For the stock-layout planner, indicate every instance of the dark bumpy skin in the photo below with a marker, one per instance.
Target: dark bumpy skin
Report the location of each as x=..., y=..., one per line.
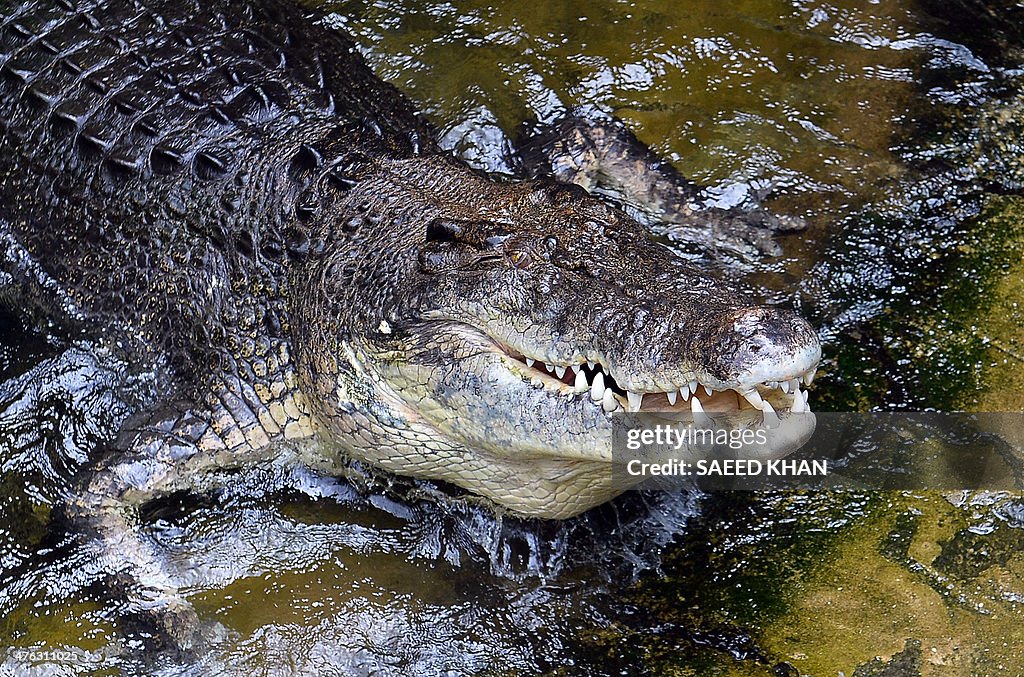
x=598, y=152
x=227, y=190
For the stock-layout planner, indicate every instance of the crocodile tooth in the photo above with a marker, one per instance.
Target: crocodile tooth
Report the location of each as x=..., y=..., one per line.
x=695, y=405
x=636, y=400
x=597, y=387
x=559, y=371
x=772, y=384
x=530, y=361
x=685, y=392
x=771, y=419
x=575, y=368
x=799, y=405
x=794, y=384
x=608, y=402
x=708, y=390
x=693, y=386
x=672, y=397
x=549, y=366
x=590, y=364
x=754, y=398
x=784, y=385
x=537, y=383
x=809, y=376
x=581, y=383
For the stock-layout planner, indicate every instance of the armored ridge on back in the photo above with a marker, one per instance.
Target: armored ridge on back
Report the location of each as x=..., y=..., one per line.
x=227, y=189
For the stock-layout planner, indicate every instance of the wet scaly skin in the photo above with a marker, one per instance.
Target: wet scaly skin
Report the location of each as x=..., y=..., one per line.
x=228, y=190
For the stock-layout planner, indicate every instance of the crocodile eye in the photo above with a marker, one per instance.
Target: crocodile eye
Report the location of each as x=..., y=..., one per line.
x=520, y=259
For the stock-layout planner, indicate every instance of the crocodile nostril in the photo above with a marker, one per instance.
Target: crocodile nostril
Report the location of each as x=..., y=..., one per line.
x=755, y=348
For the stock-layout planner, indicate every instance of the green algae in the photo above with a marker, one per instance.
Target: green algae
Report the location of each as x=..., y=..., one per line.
x=955, y=340
x=899, y=586
x=999, y=314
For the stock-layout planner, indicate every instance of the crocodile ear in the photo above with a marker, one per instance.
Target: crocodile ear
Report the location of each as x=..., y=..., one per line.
x=482, y=235
x=445, y=230
x=455, y=243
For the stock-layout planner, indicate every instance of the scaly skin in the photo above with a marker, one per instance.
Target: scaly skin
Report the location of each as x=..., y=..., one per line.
x=227, y=189
x=599, y=153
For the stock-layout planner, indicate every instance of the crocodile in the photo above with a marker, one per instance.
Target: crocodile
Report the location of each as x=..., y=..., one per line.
x=229, y=190
x=225, y=193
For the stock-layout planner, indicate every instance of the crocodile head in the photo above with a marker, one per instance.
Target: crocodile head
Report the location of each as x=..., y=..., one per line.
x=518, y=329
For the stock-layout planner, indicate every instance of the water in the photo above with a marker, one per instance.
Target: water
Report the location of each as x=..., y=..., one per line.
x=883, y=129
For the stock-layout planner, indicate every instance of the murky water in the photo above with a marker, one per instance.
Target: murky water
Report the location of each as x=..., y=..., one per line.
x=879, y=123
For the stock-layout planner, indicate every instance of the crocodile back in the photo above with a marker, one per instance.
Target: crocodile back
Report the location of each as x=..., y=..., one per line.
x=166, y=161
